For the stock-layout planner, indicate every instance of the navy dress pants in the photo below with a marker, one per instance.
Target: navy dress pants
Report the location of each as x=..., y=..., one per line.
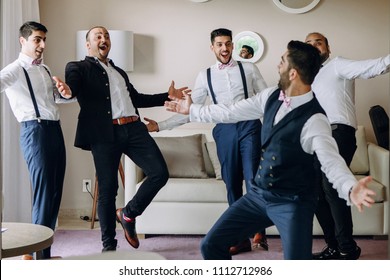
x=133, y=140
x=259, y=209
x=333, y=214
x=43, y=148
x=238, y=149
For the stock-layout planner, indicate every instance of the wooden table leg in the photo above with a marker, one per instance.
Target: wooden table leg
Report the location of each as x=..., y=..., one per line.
x=94, y=206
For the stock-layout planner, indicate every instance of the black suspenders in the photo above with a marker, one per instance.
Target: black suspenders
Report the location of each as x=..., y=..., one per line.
x=242, y=77
x=34, y=101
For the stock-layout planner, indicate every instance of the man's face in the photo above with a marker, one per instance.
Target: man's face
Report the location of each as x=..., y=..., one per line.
x=318, y=41
x=98, y=43
x=245, y=54
x=284, y=72
x=222, y=47
x=34, y=45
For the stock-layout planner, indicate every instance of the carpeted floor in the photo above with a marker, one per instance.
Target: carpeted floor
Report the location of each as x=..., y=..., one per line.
x=68, y=243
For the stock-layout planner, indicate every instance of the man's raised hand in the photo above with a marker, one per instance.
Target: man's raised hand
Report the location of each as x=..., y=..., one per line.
x=180, y=105
x=177, y=92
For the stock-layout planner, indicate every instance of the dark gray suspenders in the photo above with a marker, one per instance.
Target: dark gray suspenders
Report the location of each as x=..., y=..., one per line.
x=242, y=77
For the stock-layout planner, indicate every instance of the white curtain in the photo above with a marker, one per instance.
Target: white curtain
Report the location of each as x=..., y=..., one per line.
x=16, y=190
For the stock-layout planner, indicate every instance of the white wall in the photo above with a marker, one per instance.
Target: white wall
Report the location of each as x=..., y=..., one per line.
x=172, y=42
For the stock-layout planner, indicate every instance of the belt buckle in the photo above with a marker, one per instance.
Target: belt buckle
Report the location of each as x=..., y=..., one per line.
x=119, y=121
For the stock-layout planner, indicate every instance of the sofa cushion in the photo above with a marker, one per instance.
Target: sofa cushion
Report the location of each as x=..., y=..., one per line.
x=378, y=188
x=183, y=156
x=212, y=152
x=207, y=160
x=192, y=190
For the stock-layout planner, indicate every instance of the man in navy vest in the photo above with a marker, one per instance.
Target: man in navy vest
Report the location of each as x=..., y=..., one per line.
x=238, y=148
x=295, y=133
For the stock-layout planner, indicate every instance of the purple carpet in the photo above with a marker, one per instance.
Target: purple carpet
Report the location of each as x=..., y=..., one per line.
x=68, y=243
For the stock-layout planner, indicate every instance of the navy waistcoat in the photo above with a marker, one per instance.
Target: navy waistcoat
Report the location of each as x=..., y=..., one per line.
x=285, y=168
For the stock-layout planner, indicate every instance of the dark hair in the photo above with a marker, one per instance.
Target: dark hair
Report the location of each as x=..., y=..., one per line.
x=319, y=34
x=305, y=59
x=87, y=35
x=28, y=27
x=220, y=32
x=249, y=49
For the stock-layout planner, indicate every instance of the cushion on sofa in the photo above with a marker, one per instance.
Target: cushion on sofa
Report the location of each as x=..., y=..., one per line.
x=378, y=188
x=207, y=161
x=187, y=190
x=183, y=155
x=212, y=152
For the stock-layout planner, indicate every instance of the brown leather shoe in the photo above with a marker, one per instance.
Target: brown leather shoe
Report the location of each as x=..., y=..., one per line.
x=27, y=257
x=260, y=240
x=128, y=228
x=244, y=246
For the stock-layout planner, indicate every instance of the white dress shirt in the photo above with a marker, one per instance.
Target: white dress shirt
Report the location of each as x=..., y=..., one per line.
x=334, y=85
x=121, y=104
x=227, y=86
x=14, y=83
x=316, y=136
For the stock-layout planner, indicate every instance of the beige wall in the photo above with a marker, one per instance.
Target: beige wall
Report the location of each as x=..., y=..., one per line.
x=172, y=42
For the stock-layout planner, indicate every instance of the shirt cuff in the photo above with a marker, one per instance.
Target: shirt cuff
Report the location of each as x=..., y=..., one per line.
x=345, y=191
x=194, y=112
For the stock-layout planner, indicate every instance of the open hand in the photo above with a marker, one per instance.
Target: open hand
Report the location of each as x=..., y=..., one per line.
x=177, y=93
x=152, y=125
x=180, y=105
x=63, y=88
x=361, y=195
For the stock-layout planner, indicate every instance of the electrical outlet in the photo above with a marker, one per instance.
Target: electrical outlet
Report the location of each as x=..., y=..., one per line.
x=87, y=185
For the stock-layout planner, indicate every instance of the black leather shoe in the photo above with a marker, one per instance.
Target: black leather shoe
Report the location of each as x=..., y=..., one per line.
x=327, y=253
x=354, y=255
x=128, y=228
x=109, y=248
x=242, y=247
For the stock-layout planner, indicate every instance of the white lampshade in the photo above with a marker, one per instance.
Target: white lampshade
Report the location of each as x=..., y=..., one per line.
x=121, y=51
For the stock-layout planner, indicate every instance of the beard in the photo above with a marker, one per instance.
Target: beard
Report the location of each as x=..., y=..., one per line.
x=324, y=57
x=284, y=81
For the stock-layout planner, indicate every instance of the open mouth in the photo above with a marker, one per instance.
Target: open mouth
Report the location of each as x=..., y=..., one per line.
x=225, y=57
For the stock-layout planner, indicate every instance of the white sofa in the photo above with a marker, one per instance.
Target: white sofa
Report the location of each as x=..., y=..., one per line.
x=192, y=204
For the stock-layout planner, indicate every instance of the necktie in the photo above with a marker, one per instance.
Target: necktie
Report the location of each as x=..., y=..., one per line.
x=37, y=61
x=286, y=100
x=222, y=66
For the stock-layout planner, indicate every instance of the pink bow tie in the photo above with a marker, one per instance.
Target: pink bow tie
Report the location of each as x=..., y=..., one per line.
x=225, y=65
x=37, y=61
x=286, y=100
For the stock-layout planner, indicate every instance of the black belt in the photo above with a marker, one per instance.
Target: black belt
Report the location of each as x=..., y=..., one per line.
x=42, y=122
x=343, y=127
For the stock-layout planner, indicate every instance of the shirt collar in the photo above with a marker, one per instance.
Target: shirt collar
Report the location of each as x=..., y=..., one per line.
x=26, y=59
x=234, y=63
x=326, y=61
x=299, y=100
x=108, y=60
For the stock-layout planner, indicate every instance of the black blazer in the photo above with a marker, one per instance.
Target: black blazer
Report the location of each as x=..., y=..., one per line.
x=89, y=83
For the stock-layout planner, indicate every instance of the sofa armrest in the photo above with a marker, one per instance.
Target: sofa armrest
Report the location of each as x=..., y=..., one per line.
x=379, y=164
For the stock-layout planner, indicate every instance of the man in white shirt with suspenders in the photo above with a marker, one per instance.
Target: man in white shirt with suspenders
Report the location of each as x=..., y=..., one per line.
x=32, y=93
x=226, y=82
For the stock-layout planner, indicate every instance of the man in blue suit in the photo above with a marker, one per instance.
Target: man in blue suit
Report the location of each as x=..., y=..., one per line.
x=295, y=134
